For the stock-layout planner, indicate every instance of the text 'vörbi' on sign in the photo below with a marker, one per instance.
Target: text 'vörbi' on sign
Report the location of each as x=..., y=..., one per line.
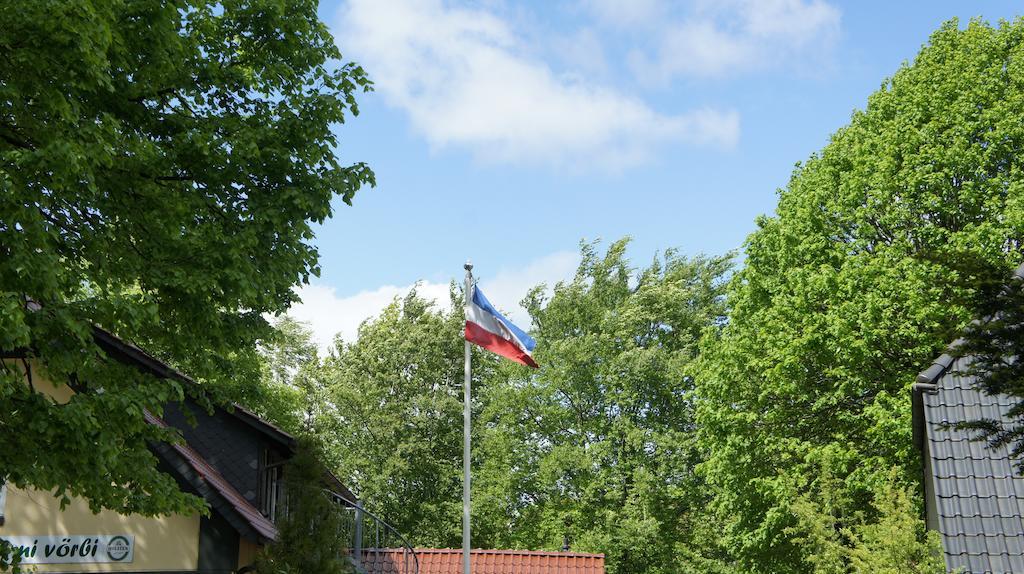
x=82, y=549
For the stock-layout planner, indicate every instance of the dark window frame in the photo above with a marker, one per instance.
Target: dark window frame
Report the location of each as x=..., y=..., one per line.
x=272, y=498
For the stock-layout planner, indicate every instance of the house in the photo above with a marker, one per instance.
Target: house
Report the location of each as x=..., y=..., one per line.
x=231, y=458
x=974, y=496
x=449, y=561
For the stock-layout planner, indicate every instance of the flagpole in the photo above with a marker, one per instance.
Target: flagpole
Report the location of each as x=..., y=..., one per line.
x=465, y=433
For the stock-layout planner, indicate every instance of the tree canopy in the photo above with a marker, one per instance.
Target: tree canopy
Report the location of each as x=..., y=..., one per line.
x=396, y=430
x=993, y=344
x=595, y=451
x=682, y=423
x=882, y=247
x=161, y=165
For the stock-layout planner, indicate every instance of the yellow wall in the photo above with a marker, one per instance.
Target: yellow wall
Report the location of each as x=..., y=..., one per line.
x=161, y=544
x=247, y=552
x=40, y=381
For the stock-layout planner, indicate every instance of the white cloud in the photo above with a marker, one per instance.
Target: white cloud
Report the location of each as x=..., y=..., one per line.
x=509, y=285
x=467, y=79
x=709, y=38
x=329, y=313
x=693, y=48
x=796, y=22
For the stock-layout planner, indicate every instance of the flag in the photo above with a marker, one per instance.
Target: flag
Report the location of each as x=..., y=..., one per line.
x=486, y=327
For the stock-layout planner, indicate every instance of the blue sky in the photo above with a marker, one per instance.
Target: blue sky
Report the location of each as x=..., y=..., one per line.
x=506, y=132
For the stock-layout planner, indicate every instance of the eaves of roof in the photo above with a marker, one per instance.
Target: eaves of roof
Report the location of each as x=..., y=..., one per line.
x=130, y=352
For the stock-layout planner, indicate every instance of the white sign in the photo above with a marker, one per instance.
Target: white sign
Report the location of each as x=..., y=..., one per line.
x=74, y=549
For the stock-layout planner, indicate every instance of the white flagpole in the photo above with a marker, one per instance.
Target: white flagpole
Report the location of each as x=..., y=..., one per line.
x=465, y=434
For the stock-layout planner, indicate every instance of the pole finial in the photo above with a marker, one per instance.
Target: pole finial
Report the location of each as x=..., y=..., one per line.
x=468, y=266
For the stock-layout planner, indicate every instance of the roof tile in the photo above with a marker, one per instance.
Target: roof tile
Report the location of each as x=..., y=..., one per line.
x=449, y=561
x=979, y=497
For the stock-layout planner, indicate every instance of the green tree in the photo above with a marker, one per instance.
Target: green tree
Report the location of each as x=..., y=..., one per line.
x=289, y=390
x=994, y=342
x=896, y=542
x=595, y=450
x=834, y=542
x=882, y=247
x=161, y=166
x=396, y=439
x=312, y=535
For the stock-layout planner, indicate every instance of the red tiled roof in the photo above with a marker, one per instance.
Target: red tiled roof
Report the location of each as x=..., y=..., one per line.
x=217, y=482
x=449, y=561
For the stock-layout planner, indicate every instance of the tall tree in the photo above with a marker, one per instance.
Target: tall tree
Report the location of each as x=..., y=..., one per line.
x=397, y=398
x=882, y=247
x=289, y=390
x=994, y=342
x=892, y=541
x=161, y=165
x=595, y=450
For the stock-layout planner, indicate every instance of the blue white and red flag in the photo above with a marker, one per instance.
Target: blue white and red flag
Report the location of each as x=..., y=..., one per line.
x=486, y=327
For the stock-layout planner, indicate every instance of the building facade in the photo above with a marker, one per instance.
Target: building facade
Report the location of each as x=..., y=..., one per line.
x=231, y=458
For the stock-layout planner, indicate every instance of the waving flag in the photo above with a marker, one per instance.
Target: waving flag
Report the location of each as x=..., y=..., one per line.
x=488, y=328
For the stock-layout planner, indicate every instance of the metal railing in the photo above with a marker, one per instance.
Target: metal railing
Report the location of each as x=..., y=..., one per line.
x=375, y=547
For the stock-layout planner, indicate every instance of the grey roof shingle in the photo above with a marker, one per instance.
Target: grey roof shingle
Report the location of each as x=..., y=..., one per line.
x=978, y=496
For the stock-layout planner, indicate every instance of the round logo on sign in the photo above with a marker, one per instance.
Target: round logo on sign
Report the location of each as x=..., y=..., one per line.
x=118, y=548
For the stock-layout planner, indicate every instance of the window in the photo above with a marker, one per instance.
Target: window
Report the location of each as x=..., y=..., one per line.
x=3, y=501
x=272, y=499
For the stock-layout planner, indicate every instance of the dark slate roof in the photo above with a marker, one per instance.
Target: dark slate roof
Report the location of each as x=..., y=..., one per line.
x=213, y=487
x=978, y=497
